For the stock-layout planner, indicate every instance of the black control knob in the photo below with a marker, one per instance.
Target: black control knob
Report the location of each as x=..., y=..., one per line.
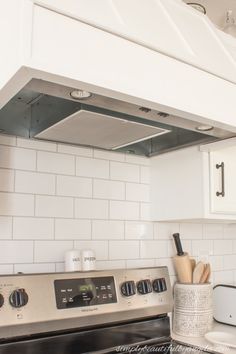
x=144, y=286
x=18, y=298
x=128, y=288
x=1, y=300
x=159, y=285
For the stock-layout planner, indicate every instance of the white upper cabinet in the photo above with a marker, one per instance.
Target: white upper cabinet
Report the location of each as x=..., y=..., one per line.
x=223, y=181
x=195, y=184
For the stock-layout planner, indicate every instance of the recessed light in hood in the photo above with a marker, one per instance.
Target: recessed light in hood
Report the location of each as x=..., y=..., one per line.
x=80, y=94
x=204, y=128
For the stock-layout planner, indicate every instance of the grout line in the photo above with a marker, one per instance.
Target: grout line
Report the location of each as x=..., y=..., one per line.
x=73, y=206
x=34, y=251
x=54, y=228
x=91, y=229
x=75, y=163
x=34, y=205
x=36, y=161
x=54, y=173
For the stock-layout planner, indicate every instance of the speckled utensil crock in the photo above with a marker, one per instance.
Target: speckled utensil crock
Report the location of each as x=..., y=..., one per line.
x=193, y=311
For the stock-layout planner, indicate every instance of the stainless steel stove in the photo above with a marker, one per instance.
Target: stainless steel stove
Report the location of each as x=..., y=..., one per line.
x=118, y=311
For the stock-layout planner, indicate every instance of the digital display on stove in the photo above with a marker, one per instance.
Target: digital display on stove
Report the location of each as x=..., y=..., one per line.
x=84, y=292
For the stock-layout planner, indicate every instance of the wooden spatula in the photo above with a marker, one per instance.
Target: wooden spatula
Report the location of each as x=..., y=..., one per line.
x=193, y=263
x=206, y=275
x=198, y=272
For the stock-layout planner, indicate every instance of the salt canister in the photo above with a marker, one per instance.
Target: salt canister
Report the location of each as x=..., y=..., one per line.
x=72, y=261
x=193, y=310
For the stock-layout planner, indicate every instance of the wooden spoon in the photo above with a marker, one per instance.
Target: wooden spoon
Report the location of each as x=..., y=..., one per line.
x=198, y=272
x=209, y=274
x=193, y=263
x=205, y=274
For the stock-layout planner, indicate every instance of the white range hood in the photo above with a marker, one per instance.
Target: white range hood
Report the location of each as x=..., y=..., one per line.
x=158, y=63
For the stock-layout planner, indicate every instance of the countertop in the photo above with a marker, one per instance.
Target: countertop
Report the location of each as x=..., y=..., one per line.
x=203, y=344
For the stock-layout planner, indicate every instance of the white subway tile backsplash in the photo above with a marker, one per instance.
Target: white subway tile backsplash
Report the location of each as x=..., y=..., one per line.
x=72, y=229
x=138, y=230
x=16, y=204
x=100, y=248
x=140, y=263
x=87, y=167
x=33, y=228
x=124, y=210
x=6, y=180
x=34, y=182
x=137, y=192
x=213, y=231
x=109, y=155
x=7, y=140
x=55, y=197
x=145, y=211
x=202, y=247
x=110, y=264
x=51, y=251
x=107, y=189
x=229, y=262
x=223, y=247
x=139, y=160
x=153, y=249
x=123, y=249
x=5, y=227
x=16, y=252
x=55, y=163
x=230, y=231
x=91, y=209
x=6, y=268
x=124, y=172
x=36, y=144
x=75, y=150
x=60, y=267
x=107, y=229
x=164, y=231
x=224, y=276
x=74, y=186
x=190, y=231
x=48, y=206
x=217, y=263
x=17, y=158
x=145, y=175
x=168, y=262
x=34, y=268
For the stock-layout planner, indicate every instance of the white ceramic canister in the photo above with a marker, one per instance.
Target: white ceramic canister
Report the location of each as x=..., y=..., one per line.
x=88, y=260
x=193, y=310
x=72, y=261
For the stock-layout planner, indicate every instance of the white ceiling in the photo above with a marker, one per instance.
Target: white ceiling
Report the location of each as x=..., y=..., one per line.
x=216, y=11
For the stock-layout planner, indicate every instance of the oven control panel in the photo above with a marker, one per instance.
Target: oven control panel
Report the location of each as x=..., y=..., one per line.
x=84, y=292
x=35, y=303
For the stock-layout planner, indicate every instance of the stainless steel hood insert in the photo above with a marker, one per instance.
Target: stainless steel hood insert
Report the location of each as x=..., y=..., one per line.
x=45, y=110
x=105, y=131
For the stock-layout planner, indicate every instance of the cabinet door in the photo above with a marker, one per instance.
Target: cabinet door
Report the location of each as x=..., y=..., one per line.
x=223, y=181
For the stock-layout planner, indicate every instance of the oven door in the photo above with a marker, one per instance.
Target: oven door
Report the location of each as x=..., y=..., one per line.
x=133, y=337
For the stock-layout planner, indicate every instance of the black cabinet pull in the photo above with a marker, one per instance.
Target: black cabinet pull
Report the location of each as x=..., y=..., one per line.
x=222, y=166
